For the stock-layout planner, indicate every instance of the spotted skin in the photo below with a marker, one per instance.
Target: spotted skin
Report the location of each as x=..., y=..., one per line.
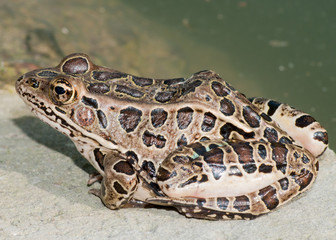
x=196, y=143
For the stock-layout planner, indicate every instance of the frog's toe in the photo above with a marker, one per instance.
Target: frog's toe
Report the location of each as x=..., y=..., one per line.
x=95, y=192
x=94, y=177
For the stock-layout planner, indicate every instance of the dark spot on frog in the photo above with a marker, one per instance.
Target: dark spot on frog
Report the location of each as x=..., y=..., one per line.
x=269, y=196
x=234, y=171
x=279, y=155
x=209, y=121
x=304, y=121
x=321, y=136
x=142, y=82
x=78, y=65
x=245, y=155
x=184, y=117
x=158, y=117
x=48, y=74
x=265, y=168
x=102, y=118
x=262, y=151
x=163, y=97
x=60, y=110
x=251, y=117
x=228, y=128
x=129, y=91
x=271, y=134
x=223, y=203
x=173, y=81
x=123, y=167
x=107, y=75
x=100, y=88
x=164, y=175
x=227, y=107
x=150, y=139
x=90, y=102
x=284, y=183
x=242, y=203
x=273, y=106
x=182, y=141
x=149, y=167
x=219, y=89
x=129, y=118
x=304, y=179
x=214, y=159
x=117, y=186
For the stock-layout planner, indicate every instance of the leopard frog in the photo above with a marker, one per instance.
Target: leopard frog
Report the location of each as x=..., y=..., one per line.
x=195, y=143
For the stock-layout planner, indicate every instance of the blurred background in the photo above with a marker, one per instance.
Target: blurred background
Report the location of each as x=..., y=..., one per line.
x=283, y=50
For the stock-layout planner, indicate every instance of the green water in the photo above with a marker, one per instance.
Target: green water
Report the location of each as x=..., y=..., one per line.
x=276, y=49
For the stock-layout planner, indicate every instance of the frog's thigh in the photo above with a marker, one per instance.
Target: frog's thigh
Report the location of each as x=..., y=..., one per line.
x=302, y=127
x=119, y=183
x=235, y=179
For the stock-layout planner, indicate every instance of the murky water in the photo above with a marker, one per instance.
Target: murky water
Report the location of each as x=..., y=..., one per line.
x=283, y=50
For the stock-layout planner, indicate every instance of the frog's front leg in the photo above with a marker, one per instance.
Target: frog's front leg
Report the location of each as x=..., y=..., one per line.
x=236, y=179
x=119, y=180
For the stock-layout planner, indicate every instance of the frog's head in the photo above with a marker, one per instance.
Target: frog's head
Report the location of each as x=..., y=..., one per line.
x=54, y=94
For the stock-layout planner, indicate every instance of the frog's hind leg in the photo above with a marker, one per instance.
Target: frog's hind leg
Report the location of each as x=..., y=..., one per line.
x=302, y=127
x=233, y=180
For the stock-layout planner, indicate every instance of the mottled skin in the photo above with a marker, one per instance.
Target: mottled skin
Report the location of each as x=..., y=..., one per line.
x=196, y=144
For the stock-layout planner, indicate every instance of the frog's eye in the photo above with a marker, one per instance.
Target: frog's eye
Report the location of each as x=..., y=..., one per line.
x=61, y=91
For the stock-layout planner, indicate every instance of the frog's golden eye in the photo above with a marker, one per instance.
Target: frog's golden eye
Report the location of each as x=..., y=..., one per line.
x=62, y=92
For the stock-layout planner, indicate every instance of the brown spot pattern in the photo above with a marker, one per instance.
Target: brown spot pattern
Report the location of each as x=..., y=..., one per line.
x=173, y=81
x=219, y=89
x=245, y=155
x=184, y=117
x=321, y=136
x=106, y=75
x=90, y=102
x=129, y=91
x=214, y=158
x=123, y=167
x=279, y=155
x=251, y=117
x=242, y=203
x=158, y=117
x=117, y=186
x=227, y=107
x=209, y=121
x=163, y=97
x=102, y=118
x=271, y=134
x=284, y=183
x=164, y=174
x=304, y=179
x=129, y=118
x=77, y=65
x=141, y=81
x=223, y=203
x=262, y=152
x=150, y=139
x=269, y=197
x=48, y=74
x=149, y=167
x=304, y=121
x=100, y=88
x=234, y=171
x=265, y=168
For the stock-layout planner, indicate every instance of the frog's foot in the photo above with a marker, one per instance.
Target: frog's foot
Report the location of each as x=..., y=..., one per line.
x=119, y=182
x=236, y=179
x=94, y=177
x=302, y=127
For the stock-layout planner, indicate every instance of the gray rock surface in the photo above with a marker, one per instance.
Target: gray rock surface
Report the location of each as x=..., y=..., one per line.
x=43, y=195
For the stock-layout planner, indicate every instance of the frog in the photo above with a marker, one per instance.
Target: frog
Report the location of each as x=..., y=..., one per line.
x=193, y=144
